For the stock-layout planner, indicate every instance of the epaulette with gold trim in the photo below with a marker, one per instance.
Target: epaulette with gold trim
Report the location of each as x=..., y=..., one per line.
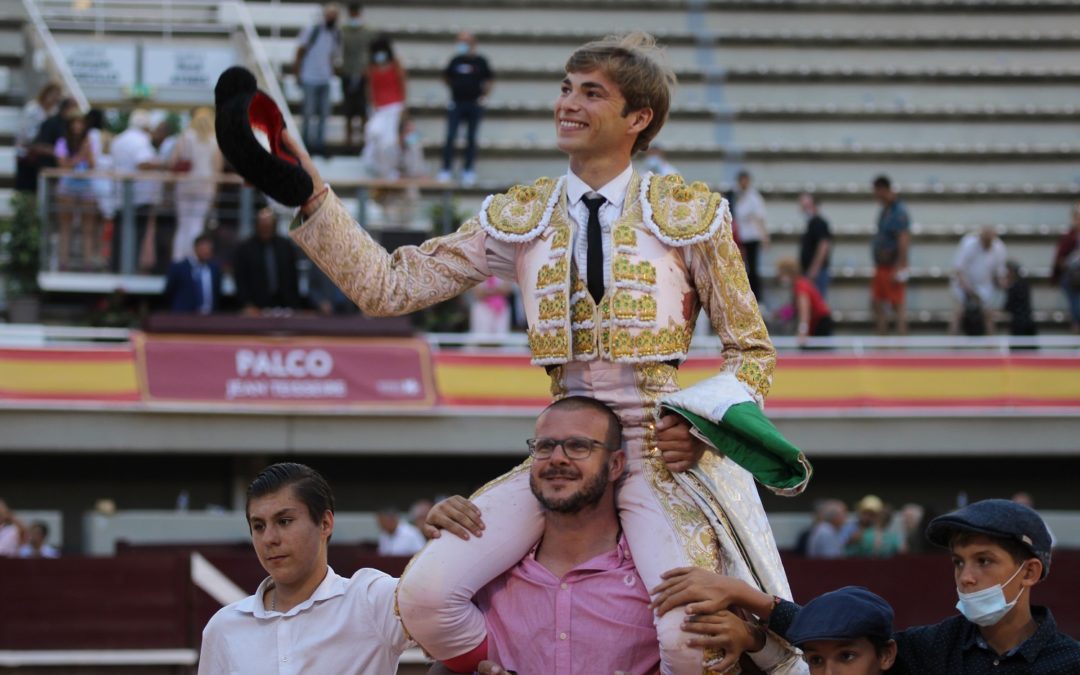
x=680, y=214
x=522, y=212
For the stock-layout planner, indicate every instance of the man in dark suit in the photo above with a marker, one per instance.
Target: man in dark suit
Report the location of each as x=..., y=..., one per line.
x=265, y=269
x=193, y=285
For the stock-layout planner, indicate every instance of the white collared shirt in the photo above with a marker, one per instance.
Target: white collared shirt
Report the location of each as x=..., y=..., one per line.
x=614, y=193
x=406, y=540
x=347, y=626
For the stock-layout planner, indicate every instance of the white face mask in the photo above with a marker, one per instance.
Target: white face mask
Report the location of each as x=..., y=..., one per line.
x=988, y=606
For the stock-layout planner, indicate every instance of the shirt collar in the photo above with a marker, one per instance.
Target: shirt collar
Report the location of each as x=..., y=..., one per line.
x=605, y=561
x=332, y=586
x=614, y=191
x=1029, y=648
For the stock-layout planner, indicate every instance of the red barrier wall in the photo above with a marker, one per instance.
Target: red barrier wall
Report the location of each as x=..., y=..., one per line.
x=145, y=599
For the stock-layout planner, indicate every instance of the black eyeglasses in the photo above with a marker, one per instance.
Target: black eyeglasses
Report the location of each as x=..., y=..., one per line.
x=575, y=447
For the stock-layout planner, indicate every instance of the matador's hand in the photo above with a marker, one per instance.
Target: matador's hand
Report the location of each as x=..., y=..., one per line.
x=680, y=449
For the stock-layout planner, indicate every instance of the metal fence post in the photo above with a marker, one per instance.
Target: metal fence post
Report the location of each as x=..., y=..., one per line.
x=127, y=229
x=247, y=212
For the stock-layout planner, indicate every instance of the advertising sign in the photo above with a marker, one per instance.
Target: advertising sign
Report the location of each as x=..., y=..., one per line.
x=364, y=372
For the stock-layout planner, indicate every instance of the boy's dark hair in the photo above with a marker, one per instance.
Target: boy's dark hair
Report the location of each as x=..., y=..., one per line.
x=205, y=236
x=883, y=182
x=308, y=485
x=1017, y=551
x=41, y=525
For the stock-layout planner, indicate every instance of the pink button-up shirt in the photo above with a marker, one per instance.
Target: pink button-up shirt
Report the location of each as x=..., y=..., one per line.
x=594, y=621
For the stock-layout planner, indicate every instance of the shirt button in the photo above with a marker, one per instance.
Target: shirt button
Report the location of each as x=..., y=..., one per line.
x=996, y=662
x=284, y=658
x=564, y=586
x=562, y=636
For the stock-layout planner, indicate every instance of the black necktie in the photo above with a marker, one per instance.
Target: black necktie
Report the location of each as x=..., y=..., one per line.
x=594, y=260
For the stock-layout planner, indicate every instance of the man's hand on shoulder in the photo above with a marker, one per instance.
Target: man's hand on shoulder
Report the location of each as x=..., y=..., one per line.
x=456, y=515
x=680, y=449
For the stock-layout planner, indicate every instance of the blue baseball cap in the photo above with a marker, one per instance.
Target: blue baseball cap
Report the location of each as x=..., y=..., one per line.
x=844, y=614
x=999, y=518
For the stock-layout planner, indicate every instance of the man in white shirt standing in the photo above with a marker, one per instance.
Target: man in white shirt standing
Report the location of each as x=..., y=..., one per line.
x=978, y=275
x=304, y=618
x=11, y=530
x=752, y=227
x=133, y=151
x=398, y=536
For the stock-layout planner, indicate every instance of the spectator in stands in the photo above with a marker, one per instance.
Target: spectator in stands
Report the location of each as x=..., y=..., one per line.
x=418, y=514
x=1066, y=270
x=489, y=311
x=582, y=551
x=265, y=268
x=802, y=540
x=470, y=78
x=657, y=162
x=317, y=47
x=402, y=159
x=912, y=527
x=356, y=39
x=750, y=219
x=197, y=158
x=978, y=276
x=43, y=147
x=133, y=151
x=303, y=615
x=75, y=196
x=36, y=545
x=396, y=535
x=1018, y=301
x=890, y=253
x=34, y=113
x=813, y=316
x=386, y=83
x=815, y=245
x=1000, y=551
x=830, y=536
x=100, y=141
x=193, y=285
x=873, y=537
x=11, y=532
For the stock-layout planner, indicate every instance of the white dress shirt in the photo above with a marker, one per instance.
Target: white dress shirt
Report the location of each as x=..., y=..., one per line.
x=614, y=194
x=346, y=627
x=130, y=149
x=750, y=215
x=406, y=540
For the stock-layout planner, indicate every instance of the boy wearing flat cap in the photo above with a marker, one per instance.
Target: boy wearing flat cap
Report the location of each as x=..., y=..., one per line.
x=845, y=632
x=1000, y=550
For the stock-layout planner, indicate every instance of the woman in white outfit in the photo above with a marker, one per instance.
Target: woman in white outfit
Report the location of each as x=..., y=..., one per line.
x=197, y=157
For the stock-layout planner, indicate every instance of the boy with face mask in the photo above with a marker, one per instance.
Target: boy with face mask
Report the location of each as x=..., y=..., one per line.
x=1000, y=549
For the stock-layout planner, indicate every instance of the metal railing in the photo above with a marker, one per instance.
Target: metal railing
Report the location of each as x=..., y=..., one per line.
x=124, y=224
x=125, y=16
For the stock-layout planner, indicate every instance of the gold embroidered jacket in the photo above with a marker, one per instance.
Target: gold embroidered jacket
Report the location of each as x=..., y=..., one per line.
x=672, y=250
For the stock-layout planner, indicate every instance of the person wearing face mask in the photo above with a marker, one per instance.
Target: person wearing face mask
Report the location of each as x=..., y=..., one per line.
x=469, y=78
x=1000, y=551
x=356, y=39
x=386, y=91
x=316, y=50
x=657, y=162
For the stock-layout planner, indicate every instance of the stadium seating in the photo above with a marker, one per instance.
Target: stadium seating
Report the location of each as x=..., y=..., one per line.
x=970, y=112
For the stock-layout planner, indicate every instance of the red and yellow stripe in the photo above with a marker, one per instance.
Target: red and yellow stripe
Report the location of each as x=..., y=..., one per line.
x=65, y=374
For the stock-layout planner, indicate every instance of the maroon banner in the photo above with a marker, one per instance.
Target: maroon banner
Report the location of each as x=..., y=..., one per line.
x=364, y=372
